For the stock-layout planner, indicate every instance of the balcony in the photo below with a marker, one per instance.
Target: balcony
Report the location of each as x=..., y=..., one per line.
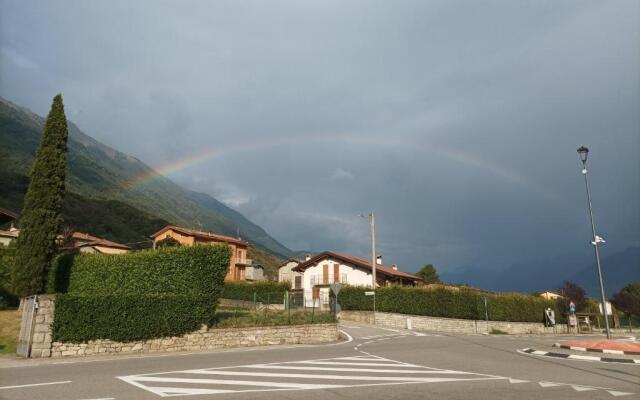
x=328, y=279
x=243, y=261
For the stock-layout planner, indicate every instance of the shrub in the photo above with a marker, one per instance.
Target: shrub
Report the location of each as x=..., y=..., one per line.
x=265, y=292
x=173, y=270
x=127, y=318
x=136, y=296
x=463, y=303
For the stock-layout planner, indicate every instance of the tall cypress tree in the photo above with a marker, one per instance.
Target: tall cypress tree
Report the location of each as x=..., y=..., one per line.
x=41, y=217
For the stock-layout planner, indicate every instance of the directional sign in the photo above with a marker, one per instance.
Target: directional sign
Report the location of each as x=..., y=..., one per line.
x=369, y=293
x=335, y=288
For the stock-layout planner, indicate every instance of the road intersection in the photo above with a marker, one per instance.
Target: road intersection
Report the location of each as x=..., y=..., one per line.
x=374, y=363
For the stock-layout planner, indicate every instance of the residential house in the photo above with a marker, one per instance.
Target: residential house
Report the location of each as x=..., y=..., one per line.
x=7, y=217
x=7, y=231
x=241, y=268
x=86, y=243
x=6, y=236
x=330, y=267
x=286, y=273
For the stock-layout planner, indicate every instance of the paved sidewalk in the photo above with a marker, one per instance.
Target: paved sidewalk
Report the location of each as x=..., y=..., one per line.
x=611, y=346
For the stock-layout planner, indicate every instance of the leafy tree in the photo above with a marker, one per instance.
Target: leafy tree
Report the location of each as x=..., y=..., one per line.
x=627, y=299
x=572, y=292
x=429, y=274
x=41, y=216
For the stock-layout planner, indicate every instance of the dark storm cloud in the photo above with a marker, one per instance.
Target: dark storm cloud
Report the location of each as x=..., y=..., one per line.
x=456, y=121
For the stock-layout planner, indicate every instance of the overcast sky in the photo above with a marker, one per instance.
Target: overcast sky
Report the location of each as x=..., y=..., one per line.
x=456, y=121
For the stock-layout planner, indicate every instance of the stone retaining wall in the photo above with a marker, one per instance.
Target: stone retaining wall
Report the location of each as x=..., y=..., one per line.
x=203, y=339
x=447, y=325
x=41, y=339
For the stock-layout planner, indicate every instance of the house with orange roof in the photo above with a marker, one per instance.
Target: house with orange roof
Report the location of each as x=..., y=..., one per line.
x=86, y=243
x=241, y=268
x=320, y=271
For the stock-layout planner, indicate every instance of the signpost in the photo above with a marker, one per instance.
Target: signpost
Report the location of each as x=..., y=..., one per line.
x=369, y=293
x=335, y=288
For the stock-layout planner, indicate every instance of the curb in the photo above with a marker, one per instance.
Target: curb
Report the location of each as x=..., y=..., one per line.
x=578, y=357
x=606, y=351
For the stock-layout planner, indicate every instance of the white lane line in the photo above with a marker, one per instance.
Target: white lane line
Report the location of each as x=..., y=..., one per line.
x=365, y=364
x=402, y=371
x=349, y=337
x=34, y=384
x=238, y=382
x=103, y=398
x=337, y=377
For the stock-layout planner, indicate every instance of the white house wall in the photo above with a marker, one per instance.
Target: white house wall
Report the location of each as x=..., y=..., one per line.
x=354, y=277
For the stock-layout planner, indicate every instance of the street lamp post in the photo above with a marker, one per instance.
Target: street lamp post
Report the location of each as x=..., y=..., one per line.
x=583, y=152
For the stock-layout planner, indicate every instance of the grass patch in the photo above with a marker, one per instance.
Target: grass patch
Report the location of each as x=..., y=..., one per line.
x=9, y=331
x=247, y=318
x=495, y=331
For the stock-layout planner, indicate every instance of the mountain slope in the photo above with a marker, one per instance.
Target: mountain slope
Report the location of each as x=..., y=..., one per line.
x=100, y=172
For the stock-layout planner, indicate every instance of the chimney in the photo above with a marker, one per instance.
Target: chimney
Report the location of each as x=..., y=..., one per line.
x=394, y=267
x=379, y=260
x=307, y=256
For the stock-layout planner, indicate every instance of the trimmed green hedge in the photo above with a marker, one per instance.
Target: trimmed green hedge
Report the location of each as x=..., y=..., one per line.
x=266, y=292
x=447, y=303
x=127, y=318
x=139, y=295
x=174, y=270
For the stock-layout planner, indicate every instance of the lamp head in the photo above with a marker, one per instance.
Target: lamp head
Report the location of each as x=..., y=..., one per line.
x=583, y=152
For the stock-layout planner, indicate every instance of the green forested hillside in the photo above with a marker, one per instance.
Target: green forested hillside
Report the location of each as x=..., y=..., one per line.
x=109, y=219
x=103, y=177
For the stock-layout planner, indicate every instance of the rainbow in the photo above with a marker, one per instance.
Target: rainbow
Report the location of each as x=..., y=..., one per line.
x=389, y=141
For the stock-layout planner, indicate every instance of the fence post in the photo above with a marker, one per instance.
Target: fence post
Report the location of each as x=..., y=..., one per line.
x=486, y=313
x=313, y=310
x=255, y=300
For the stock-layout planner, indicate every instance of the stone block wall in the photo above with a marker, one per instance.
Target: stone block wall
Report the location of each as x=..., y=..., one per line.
x=205, y=339
x=447, y=325
x=41, y=338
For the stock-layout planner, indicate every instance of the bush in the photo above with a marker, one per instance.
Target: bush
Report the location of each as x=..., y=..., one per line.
x=135, y=296
x=176, y=270
x=127, y=318
x=447, y=303
x=266, y=292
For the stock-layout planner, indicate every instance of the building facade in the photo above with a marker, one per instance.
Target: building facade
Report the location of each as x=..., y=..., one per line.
x=319, y=272
x=241, y=268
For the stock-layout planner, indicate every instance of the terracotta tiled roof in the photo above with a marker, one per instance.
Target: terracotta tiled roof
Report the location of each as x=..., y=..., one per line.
x=96, y=241
x=7, y=216
x=201, y=235
x=360, y=262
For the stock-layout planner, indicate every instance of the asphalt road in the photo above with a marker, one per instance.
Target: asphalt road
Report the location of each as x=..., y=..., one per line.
x=375, y=364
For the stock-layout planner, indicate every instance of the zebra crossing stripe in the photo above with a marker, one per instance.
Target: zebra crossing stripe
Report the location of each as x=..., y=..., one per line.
x=296, y=375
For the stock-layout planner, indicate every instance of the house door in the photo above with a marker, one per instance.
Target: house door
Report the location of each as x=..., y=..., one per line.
x=325, y=274
x=240, y=276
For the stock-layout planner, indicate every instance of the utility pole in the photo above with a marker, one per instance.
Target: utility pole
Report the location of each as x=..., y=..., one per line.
x=374, y=261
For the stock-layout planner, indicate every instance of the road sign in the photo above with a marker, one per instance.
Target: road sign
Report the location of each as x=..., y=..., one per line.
x=335, y=288
x=572, y=307
x=369, y=293
x=608, y=308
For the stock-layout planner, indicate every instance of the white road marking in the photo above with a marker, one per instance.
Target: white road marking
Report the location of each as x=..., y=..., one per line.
x=103, y=398
x=297, y=375
x=34, y=384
